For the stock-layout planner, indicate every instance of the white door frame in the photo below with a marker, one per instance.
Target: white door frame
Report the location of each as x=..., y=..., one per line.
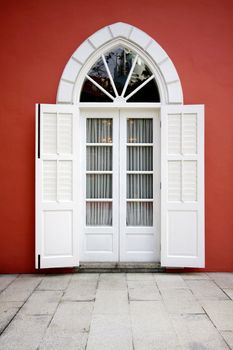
x=113, y=112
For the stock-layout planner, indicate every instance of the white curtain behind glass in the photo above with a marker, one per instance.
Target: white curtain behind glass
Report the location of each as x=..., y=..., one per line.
x=139, y=158
x=99, y=158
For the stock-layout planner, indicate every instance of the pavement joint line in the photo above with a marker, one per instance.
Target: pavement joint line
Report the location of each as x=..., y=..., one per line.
x=221, y=289
x=78, y=301
x=88, y=332
x=130, y=318
x=49, y=290
x=60, y=301
x=216, y=328
x=8, y=324
x=10, y=283
x=52, y=317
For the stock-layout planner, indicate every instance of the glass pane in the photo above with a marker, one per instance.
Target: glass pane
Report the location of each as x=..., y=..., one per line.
x=91, y=93
x=120, y=61
x=148, y=93
x=139, y=214
x=139, y=186
x=139, y=130
x=98, y=214
x=140, y=73
x=99, y=130
x=99, y=74
x=99, y=186
x=99, y=158
x=140, y=158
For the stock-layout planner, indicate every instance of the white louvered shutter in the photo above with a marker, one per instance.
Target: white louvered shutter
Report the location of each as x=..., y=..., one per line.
x=56, y=186
x=182, y=193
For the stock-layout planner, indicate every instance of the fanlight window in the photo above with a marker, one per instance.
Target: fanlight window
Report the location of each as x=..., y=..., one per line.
x=120, y=75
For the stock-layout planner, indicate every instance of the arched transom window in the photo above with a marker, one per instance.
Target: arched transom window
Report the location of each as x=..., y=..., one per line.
x=120, y=75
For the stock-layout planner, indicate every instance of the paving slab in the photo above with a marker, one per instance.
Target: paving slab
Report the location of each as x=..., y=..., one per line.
x=69, y=326
x=55, y=282
x=228, y=336
x=181, y=301
x=112, y=281
x=169, y=281
x=57, y=339
x=196, y=332
x=112, y=302
x=5, y=280
x=151, y=326
x=222, y=279
x=194, y=276
x=221, y=313
x=143, y=290
x=42, y=303
x=206, y=290
x=110, y=332
x=25, y=332
x=20, y=289
x=229, y=292
x=140, y=311
x=8, y=310
x=81, y=289
x=140, y=276
x=85, y=277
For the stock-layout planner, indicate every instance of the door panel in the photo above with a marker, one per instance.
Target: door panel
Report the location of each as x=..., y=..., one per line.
x=99, y=241
x=121, y=188
x=139, y=185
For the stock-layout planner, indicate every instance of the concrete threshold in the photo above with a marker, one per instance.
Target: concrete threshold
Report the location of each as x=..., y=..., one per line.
x=89, y=267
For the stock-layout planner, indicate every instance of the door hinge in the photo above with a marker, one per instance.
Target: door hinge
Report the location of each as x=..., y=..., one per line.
x=38, y=131
x=160, y=124
x=38, y=261
x=160, y=185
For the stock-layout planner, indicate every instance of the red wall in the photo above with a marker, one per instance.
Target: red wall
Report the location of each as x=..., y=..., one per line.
x=37, y=39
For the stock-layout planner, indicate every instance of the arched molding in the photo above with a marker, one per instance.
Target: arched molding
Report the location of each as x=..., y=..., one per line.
x=82, y=59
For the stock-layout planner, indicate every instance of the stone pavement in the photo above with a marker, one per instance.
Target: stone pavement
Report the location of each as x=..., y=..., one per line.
x=112, y=311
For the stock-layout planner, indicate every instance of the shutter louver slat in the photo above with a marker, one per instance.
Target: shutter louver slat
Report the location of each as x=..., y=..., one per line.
x=50, y=133
x=50, y=180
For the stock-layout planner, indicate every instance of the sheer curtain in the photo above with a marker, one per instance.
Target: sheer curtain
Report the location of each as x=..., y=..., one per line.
x=139, y=177
x=99, y=159
x=139, y=159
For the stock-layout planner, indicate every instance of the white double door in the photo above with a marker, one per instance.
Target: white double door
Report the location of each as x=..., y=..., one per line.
x=120, y=185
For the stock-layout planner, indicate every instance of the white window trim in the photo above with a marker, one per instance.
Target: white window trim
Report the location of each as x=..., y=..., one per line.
x=90, y=50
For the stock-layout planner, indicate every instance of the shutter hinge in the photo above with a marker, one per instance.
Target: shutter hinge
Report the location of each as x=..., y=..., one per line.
x=38, y=261
x=38, y=131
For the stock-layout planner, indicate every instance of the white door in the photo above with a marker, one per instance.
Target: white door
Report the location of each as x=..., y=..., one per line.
x=120, y=162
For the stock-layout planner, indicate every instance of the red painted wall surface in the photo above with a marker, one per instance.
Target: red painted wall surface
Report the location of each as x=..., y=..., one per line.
x=37, y=39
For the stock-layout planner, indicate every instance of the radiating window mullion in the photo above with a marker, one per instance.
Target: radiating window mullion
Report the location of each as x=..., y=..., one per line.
x=139, y=87
x=100, y=87
x=129, y=76
x=110, y=76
